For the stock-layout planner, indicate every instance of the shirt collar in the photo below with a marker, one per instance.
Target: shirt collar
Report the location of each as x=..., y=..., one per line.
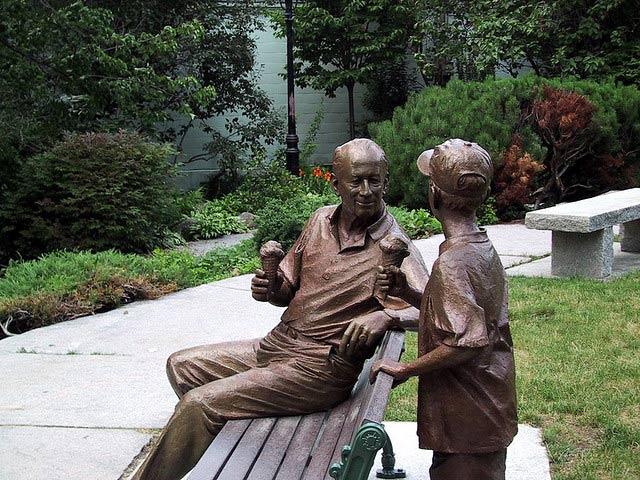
x=376, y=230
x=476, y=237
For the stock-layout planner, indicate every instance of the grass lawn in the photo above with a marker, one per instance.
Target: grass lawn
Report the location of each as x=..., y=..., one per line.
x=577, y=345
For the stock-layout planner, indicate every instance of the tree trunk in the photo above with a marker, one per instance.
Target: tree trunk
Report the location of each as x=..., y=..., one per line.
x=352, y=117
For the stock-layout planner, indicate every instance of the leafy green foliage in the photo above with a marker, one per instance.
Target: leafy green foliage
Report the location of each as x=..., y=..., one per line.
x=487, y=214
x=491, y=112
x=263, y=181
x=187, y=202
x=212, y=219
x=106, y=65
x=339, y=43
x=187, y=270
x=91, y=192
x=417, y=223
x=485, y=113
x=591, y=39
x=64, y=285
x=66, y=67
x=388, y=87
x=284, y=221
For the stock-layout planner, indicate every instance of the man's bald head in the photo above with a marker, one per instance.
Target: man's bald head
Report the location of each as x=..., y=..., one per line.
x=358, y=150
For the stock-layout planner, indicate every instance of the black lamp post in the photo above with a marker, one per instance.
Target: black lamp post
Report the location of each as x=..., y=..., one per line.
x=293, y=153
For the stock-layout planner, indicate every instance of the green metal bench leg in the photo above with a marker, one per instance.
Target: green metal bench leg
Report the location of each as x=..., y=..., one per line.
x=389, y=463
x=357, y=460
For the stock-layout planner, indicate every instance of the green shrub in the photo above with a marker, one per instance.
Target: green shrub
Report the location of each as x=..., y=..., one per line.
x=212, y=219
x=187, y=202
x=91, y=192
x=284, y=221
x=186, y=270
x=264, y=181
x=491, y=112
x=487, y=214
x=417, y=223
x=481, y=112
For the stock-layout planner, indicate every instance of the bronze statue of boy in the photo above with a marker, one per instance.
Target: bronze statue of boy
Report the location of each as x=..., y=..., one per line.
x=466, y=394
x=334, y=318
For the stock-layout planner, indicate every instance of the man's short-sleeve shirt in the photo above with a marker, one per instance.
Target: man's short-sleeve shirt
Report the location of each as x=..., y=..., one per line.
x=469, y=408
x=334, y=285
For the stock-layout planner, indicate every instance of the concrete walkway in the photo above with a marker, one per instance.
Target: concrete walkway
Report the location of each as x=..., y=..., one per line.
x=80, y=399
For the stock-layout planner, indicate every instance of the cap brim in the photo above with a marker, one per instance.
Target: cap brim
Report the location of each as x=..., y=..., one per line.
x=424, y=161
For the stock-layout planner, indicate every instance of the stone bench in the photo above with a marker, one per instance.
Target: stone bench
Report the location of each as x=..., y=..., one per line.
x=341, y=443
x=582, y=232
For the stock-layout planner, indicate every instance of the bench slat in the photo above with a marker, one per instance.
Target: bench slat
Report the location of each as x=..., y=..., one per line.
x=379, y=393
x=248, y=448
x=326, y=443
x=274, y=450
x=219, y=451
x=351, y=423
x=297, y=454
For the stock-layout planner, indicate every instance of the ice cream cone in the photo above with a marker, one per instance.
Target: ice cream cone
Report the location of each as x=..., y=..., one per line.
x=394, y=251
x=271, y=255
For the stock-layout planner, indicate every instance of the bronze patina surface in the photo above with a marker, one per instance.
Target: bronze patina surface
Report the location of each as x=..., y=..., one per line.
x=334, y=318
x=466, y=394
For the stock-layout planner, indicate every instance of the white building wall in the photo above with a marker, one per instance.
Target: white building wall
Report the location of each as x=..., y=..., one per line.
x=270, y=63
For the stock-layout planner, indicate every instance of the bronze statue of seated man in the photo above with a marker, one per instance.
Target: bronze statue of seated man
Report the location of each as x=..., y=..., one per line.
x=334, y=318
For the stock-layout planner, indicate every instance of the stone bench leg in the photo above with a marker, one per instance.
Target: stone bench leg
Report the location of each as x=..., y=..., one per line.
x=582, y=254
x=630, y=236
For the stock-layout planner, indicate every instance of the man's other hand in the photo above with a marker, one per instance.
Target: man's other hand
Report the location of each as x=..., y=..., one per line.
x=363, y=333
x=260, y=286
x=391, y=281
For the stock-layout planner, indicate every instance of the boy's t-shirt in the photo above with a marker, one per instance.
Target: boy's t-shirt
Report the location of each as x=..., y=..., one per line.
x=469, y=408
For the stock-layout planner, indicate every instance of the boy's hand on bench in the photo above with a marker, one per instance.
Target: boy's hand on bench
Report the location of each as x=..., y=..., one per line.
x=396, y=369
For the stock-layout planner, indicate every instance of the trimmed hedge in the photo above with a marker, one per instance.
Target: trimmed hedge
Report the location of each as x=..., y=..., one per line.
x=497, y=113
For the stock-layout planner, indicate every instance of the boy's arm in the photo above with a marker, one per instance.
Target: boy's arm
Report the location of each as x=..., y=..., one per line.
x=442, y=356
x=406, y=318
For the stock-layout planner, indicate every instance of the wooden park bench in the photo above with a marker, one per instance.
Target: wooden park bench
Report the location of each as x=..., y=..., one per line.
x=341, y=443
x=582, y=232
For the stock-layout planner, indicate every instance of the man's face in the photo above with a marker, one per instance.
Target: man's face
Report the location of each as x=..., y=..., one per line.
x=361, y=182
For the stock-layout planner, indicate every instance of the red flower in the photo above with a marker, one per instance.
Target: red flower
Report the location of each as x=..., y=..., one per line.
x=327, y=177
x=317, y=172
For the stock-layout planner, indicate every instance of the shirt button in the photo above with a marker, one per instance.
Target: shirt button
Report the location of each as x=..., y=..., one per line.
x=326, y=276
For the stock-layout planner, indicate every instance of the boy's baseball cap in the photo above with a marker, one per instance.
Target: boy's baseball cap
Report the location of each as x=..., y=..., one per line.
x=449, y=164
